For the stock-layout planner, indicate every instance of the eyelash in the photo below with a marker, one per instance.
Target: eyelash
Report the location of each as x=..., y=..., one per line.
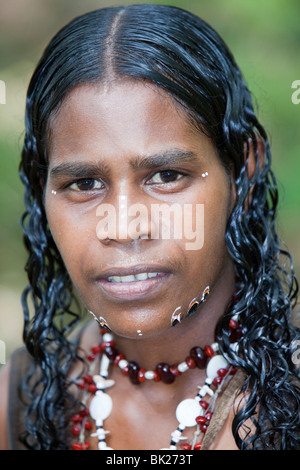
x=82, y=180
x=95, y=180
x=177, y=173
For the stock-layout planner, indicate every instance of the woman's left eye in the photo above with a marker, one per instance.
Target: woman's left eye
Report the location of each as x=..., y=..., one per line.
x=166, y=176
x=86, y=184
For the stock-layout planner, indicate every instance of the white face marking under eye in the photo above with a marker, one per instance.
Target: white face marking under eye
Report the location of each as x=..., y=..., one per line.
x=204, y=175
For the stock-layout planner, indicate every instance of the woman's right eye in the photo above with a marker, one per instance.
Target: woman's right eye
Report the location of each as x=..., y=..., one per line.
x=86, y=184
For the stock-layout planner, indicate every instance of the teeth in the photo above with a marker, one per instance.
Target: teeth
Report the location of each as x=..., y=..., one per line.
x=152, y=274
x=132, y=278
x=141, y=276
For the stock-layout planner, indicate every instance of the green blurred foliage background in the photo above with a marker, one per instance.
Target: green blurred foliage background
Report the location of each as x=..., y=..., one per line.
x=264, y=36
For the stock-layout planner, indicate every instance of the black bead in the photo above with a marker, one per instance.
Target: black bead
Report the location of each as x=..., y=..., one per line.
x=199, y=357
x=110, y=352
x=163, y=370
x=133, y=371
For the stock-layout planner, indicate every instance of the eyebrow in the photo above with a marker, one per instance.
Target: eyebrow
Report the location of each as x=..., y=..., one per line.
x=79, y=170
x=169, y=157
x=93, y=169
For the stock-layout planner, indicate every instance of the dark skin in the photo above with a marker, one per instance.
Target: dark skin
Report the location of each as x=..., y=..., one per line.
x=113, y=126
x=99, y=134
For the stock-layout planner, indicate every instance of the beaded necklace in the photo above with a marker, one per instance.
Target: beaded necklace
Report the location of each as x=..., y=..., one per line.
x=195, y=412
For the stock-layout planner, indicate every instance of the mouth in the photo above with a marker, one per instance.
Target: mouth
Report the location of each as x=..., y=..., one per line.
x=133, y=277
x=133, y=283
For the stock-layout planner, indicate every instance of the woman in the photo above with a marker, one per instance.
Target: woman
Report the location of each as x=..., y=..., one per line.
x=148, y=189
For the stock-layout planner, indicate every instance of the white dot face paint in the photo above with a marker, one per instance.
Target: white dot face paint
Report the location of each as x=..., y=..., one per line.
x=139, y=333
x=53, y=192
x=205, y=174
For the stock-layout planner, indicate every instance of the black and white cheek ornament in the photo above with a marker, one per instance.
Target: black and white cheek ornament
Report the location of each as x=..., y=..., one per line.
x=176, y=316
x=102, y=322
x=205, y=294
x=194, y=304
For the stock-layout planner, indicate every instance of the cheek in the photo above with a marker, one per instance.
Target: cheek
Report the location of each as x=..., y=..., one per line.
x=208, y=251
x=67, y=231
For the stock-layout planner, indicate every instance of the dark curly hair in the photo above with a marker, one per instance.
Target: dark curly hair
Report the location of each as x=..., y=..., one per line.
x=184, y=56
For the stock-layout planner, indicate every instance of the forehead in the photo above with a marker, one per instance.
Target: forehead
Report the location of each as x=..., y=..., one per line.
x=121, y=117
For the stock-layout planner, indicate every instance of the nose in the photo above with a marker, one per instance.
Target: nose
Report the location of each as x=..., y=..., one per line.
x=124, y=222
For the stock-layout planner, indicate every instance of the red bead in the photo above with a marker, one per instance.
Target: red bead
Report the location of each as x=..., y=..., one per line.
x=96, y=349
x=203, y=427
x=199, y=357
x=87, y=425
x=204, y=404
x=208, y=415
x=141, y=375
x=232, y=370
x=186, y=446
x=198, y=446
x=222, y=372
x=209, y=351
x=125, y=370
x=190, y=362
x=76, y=430
x=118, y=358
x=156, y=376
x=76, y=418
x=88, y=379
x=174, y=370
x=200, y=420
x=92, y=388
x=84, y=412
x=77, y=446
x=233, y=323
x=217, y=380
x=163, y=370
x=91, y=357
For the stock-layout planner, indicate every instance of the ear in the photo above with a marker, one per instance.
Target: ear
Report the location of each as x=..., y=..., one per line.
x=254, y=156
x=255, y=161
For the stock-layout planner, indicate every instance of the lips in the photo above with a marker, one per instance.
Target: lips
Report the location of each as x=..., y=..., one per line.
x=133, y=270
x=134, y=282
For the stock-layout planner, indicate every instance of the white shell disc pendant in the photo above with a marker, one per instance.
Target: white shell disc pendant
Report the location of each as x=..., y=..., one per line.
x=215, y=363
x=101, y=406
x=187, y=412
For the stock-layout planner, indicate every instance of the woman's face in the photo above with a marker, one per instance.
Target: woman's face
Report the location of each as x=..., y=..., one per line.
x=137, y=202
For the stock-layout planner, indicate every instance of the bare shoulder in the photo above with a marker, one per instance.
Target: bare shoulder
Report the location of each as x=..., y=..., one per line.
x=4, y=393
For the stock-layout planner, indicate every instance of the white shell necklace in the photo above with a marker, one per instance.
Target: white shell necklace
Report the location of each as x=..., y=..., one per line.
x=195, y=412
